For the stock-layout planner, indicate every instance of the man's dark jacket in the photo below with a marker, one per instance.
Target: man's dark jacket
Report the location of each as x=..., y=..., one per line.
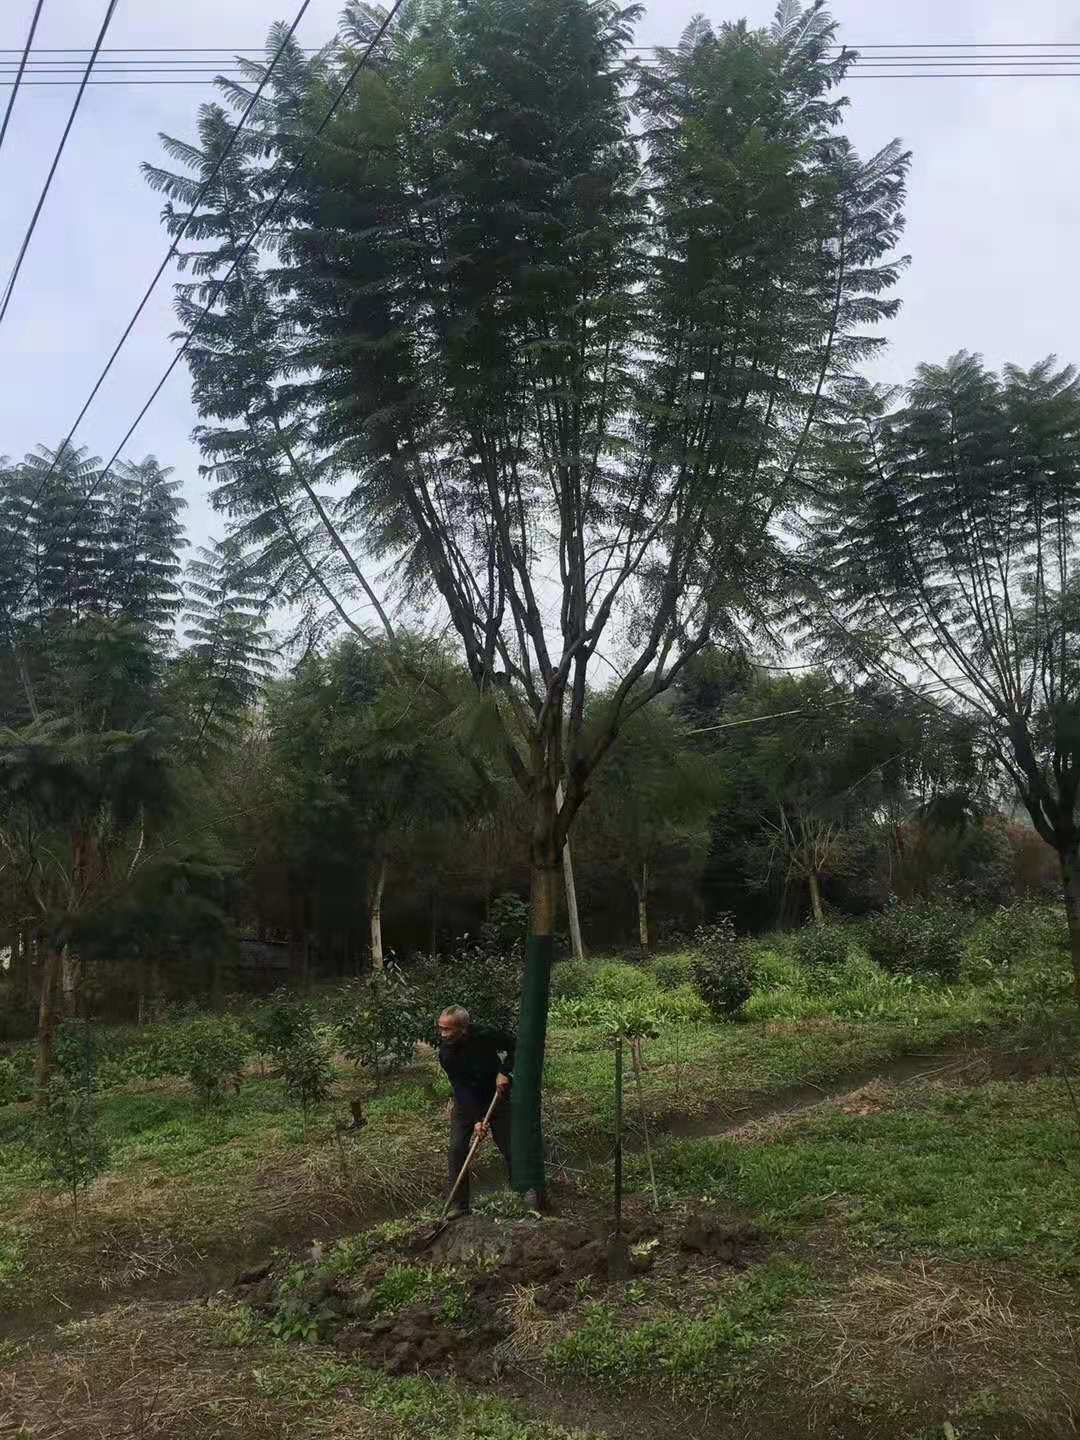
x=472, y=1064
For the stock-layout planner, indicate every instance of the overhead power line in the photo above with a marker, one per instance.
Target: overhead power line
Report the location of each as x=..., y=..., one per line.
x=245, y=249
x=23, y=58
x=13, y=278
x=172, y=250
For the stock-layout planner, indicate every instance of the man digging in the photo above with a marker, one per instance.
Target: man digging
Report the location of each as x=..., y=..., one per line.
x=478, y=1062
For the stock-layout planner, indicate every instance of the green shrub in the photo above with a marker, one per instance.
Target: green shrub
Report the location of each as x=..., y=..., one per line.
x=570, y=979
x=821, y=947
x=508, y=923
x=723, y=968
x=616, y=982
x=925, y=937
x=379, y=1020
x=211, y=1052
x=681, y=1006
x=68, y=1138
x=15, y=1081
x=1011, y=935
x=485, y=981
x=776, y=970
x=307, y=1071
x=671, y=971
x=275, y=1025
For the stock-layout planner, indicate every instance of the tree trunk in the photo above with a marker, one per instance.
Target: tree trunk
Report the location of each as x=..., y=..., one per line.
x=815, y=898
x=376, y=917
x=30, y=951
x=527, y=1135
x=642, y=888
x=17, y=963
x=1070, y=880
x=435, y=919
x=571, y=896
x=46, y=1036
x=71, y=981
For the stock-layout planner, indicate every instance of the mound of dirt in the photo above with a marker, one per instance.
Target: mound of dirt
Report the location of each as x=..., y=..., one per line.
x=490, y=1258
x=718, y=1239
x=416, y=1338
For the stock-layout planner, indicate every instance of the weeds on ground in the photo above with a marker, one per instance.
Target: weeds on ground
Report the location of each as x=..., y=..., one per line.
x=990, y=1172
x=414, y=1405
x=672, y=1347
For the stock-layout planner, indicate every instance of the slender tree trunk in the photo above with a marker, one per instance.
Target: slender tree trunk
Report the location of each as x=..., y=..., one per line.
x=815, y=898
x=435, y=918
x=571, y=896
x=376, y=916
x=30, y=955
x=71, y=981
x=17, y=963
x=46, y=1036
x=641, y=886
x=527, y=1136
x=1070, y=880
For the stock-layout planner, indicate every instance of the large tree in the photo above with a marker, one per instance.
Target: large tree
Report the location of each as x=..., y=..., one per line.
x=945, y=559
x=547, y=332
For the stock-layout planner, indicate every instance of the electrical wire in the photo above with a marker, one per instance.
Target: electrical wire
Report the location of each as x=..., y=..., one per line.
x=172, y=250
x=13, y=278
x=245, y=249
x=23, y=59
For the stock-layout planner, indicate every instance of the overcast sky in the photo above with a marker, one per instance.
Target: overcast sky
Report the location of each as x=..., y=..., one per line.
x=993, y=212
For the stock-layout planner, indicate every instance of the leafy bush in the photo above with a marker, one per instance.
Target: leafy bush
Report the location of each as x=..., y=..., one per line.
x=777, y=970
x=306, y=1070
x=570, y=980
x=486, y=982
x=671, y=971
x=211, y=1052
x=275, y=1025
x=379, y=1020
x=723, y=968
x=1011, y=935
x=507, y=924
x=623, y=982
x=15, y=1081
x=681, y=1006
x=925, y=937
x=821, y=947
x=68, y=1138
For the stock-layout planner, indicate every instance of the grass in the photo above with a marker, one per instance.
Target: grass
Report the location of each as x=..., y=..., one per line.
x=193, y=1373
x=186, y=1180
x=990, y=1172
x=672, y=1348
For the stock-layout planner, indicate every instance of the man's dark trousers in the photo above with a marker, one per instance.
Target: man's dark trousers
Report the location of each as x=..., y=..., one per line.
x=466, y=1113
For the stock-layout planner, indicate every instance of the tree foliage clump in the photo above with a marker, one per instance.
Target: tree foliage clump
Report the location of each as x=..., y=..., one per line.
x=379, y=1020
x=211, y=1052
x=923, y=938
x=722, y=968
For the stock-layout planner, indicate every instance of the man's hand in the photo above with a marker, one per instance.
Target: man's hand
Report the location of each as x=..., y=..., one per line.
x=502, y=1083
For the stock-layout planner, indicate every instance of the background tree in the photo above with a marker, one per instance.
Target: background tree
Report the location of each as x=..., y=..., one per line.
x=947, y=550
x=364, y=766
x=523, y=337
x=649, y=804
